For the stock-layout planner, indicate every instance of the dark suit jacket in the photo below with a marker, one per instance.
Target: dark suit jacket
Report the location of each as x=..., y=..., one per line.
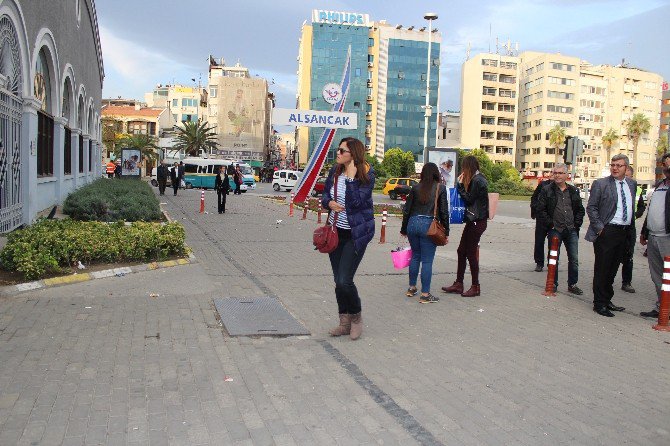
x=602, y=204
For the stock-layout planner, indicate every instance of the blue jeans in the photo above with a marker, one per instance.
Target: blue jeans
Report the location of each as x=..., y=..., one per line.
x=423, y=251
x=344, y=261
x=569, y=238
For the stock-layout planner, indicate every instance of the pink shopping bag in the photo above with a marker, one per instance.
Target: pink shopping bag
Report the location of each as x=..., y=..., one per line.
x=401, y=257
x=493, y=204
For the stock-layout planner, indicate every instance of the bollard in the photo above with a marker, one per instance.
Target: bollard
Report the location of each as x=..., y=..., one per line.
x=319, y=217
x=664, y=307
x=202, y=201
x=382, y=239
x=304, y=210
x=551, y=268
x=290, y=206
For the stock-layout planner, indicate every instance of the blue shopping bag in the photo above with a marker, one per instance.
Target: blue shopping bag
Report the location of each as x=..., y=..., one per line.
x=457, y=207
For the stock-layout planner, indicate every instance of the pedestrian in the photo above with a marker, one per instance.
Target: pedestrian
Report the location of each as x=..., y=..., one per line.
x=539, y=252
x=161, y=176
x=656, y=232
x=222, y=187
x=237, y=178
x=610, y=211
x=182, y=184
x=348, y=195
x=110, y=168
x=560, y=211
x=117, y=169
x=417, y=218
x=473, y=189
x=175, y=177
x=627, y=265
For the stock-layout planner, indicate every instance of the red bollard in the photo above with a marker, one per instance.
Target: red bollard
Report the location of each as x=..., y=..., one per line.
x=202, y=201
x=551, y=268
x=319, y=217
x=382, y=239
x=664, y=307
x=290, y=206
x=304, y=210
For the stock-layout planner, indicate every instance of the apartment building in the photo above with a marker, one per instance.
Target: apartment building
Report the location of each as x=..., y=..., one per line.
x=449, y=129
x=489, y=104
x=664, y=128
x=183, y=102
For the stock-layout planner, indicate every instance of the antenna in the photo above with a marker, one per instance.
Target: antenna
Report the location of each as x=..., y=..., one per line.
x=497, y=47
x=467, y=52
x=489, y=37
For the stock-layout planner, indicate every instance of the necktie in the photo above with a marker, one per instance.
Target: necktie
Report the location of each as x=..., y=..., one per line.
x=623, y=200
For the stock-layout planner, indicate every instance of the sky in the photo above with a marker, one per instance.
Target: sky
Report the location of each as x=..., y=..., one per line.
x=150, y=42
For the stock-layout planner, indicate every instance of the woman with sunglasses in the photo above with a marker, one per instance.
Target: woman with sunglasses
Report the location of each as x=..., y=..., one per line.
x=347, y=194
x=473, y=188
x=417, y=218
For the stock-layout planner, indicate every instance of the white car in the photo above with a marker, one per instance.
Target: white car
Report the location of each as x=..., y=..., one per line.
x=285, y=179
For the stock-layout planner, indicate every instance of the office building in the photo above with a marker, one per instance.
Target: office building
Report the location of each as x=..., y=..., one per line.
x=389, y=70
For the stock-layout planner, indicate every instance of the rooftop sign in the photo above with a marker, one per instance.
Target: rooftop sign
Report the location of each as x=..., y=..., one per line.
x=340, y=18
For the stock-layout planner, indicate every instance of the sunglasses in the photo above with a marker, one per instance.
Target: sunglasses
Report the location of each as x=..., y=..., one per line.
x=343, y=151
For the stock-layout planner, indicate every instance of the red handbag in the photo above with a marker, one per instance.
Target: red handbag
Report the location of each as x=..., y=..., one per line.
x=325, y=238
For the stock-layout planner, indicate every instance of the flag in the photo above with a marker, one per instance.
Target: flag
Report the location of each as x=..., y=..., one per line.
x=318, y=157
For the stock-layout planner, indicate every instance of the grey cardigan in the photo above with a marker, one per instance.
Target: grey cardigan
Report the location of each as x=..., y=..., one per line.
x=602, y=204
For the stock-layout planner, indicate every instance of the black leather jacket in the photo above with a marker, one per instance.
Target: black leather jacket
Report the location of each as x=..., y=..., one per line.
x=414, y=207
x=476, y=199
x=547, y=201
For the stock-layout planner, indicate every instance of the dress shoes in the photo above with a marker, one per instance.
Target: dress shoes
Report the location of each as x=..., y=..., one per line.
x=538, y=268
x=574, y=289
x=652, y=313
x=603, y=311
x=455, y=288
x=627, y=287
x=612, y=307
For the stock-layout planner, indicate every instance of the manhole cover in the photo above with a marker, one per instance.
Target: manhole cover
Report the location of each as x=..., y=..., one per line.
x=257, y=316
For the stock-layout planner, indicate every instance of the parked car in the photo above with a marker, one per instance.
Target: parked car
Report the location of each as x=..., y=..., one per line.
x=392, y=183
x=285, y=179
x=319, y=185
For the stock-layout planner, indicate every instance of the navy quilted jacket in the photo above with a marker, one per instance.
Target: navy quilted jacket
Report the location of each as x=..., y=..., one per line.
x=358, y=204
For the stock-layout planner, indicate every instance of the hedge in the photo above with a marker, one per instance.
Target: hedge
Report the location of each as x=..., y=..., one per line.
x=50, y=245
x=113, y=200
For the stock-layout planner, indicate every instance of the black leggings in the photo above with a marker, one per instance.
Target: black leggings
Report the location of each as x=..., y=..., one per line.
x=344, y=261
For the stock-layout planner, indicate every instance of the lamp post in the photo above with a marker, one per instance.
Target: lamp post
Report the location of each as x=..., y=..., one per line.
x=430, y=16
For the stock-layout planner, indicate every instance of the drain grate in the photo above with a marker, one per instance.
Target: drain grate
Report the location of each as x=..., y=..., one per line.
x=257, y=316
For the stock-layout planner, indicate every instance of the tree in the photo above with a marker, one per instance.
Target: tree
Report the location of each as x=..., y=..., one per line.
x=609, y=139
x=146, y=144
x=485, y=163
x=637, y=126
x=195, y=136
x=398, y=163
x=662, y=145
x=376, y=165
x=557, y=139
x=112, y=131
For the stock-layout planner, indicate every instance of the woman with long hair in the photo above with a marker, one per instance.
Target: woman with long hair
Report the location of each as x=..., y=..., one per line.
x=416, y=219
x=347, y=194
x=473, y=188
x=222, y=186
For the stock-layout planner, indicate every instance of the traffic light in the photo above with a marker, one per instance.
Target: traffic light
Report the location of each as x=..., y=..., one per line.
x=569, y=150
x=579, y=148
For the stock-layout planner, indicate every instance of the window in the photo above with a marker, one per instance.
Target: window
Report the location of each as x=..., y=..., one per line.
x=559, y=109
x=67, y=151
x=357, y=105
x=536, y=150
x=506, y=107
x=490, y=120
x=548, y=165
x=539, y=67
x=45, y=141
x=423, y=76
x=401, y=75
x=90, y=155
x=490, y=76
x=525, y=138
x=189, y=102
x=213, y=92
x=536, y=165
x=529, y=71
x=508, y=65
x=175, y=102
x=189, y=118
x=371, y=42
x=81, y=154
x=505, y=136
x=562, y=81
x=507, y=93
x=486, y=134
x=506, y=122
x=489, y=91
x=357, y=72
x=490, y=62
x=488, y=106
x=555, y=122
x=562, y=66
x=560, y=95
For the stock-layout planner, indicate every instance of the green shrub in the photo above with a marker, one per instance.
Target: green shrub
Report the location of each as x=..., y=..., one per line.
x=50, y=245
x=506, y=186
x=113, y=200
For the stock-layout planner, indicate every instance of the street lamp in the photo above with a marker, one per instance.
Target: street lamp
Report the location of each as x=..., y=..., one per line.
x=430, y=16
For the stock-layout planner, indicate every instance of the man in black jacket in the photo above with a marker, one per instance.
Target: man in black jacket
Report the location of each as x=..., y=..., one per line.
x=561, y=212
x=540, y=230
x=162, y=173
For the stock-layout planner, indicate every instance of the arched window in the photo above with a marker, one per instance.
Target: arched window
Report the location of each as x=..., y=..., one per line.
x=45, y=122
x=67, y=114
x=80, y=124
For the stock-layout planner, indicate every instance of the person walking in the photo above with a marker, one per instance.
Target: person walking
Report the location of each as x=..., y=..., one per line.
x=161, y=176
x=417, y=217
x=627, y=265
x=560, y=211
x=473, y=188
x=610, y=211
x=222, y=187
x=347, y=195
x=656, y=232
x=175, y=177
x=110, y=167
x=237, y=178
x=117, y=169
x=181, y=171
x=539, y=252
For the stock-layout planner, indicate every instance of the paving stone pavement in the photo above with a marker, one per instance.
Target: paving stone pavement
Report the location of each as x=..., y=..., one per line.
x=102, y=362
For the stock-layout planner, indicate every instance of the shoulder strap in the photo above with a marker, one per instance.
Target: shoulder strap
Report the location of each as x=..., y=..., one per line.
x=437, y=191
x=335, y=197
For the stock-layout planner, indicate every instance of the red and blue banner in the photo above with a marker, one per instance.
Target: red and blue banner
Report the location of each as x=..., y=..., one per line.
x=315, y=163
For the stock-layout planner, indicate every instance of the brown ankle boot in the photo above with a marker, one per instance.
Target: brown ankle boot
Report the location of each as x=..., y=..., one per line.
x=456, y=288
x=472, y=292
x=356, y=326
x=344, y=328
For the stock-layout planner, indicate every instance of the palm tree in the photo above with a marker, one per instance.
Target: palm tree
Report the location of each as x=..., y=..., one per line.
x=146, y=144
x=195, y=136
x=608, y=140
x=637, y=126
x=557, y=138
x=662, y=145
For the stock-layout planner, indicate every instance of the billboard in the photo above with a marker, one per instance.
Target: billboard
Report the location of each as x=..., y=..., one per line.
x=130, y=162
x=446, y=160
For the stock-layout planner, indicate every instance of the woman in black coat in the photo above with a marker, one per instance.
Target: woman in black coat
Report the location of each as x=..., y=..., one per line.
x=222, y=187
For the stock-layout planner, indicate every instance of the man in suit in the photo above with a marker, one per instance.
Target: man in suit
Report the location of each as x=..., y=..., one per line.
x=611, y=212
x=540, y=229
x=175, y=177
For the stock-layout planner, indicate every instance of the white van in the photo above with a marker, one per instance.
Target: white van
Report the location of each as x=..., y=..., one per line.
x=285, y=179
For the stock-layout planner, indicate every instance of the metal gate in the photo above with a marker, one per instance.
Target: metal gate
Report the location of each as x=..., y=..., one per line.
x=11, y=108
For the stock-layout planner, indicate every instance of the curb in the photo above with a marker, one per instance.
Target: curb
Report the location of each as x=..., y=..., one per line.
x=12, y=290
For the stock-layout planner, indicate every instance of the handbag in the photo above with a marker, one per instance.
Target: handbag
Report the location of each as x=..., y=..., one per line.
x=325, y=238
x=457, y=211
x=436, y=231
x=401, y=257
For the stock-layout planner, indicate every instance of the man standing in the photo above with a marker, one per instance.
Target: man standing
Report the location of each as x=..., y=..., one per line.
x=560, y=211
x=656, y=232
x=627, y=264
x=540, y=229
x=175, y=177
x=110, y=168
x=182, y=185
x=237, y=178
x=610, y=211
x=161, y=177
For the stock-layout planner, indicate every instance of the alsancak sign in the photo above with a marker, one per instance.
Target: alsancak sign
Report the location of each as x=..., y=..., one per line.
x=340, y=17
x=314, y=118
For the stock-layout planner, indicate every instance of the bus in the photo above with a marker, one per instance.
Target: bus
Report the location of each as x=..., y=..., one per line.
x=201, y=173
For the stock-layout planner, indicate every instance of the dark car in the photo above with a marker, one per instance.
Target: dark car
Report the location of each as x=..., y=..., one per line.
x=400, y=191
x=318, y=186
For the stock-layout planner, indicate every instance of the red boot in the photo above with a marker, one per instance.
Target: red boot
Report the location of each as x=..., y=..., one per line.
x=456, y=288
x=472, y=292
